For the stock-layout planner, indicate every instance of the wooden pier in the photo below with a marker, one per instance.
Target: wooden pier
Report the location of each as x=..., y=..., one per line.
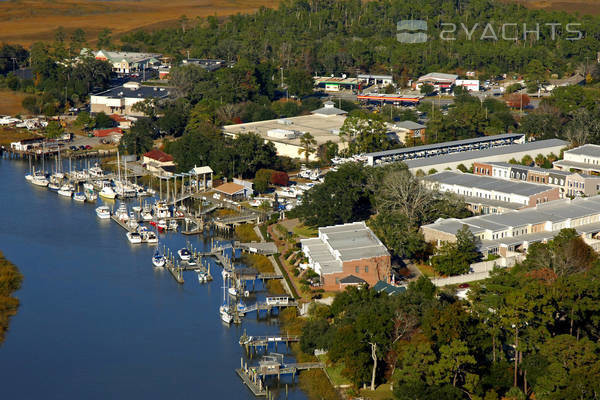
x=251, y=343
x=272, y=365
x=122, y=224
x=269, y=304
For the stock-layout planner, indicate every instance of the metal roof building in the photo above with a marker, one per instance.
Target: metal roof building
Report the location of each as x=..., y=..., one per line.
x=500, y=153
x=517, y=229
x=430, y=150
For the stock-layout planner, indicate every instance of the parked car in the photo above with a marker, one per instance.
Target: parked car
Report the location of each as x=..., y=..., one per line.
x=87, y=147
x=73, y=148
x=82, y=147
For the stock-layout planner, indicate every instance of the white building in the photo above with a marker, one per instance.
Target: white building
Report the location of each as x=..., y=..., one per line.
x=120, y=100
x=584, y=158
x=127, y=62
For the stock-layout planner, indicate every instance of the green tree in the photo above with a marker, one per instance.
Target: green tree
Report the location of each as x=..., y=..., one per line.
x=299, y=82
x=456, y=258
x=54, y=130
x=103, y=121
x=262, y=179
x=427, y=89
x=139, y=139
x=307, y=143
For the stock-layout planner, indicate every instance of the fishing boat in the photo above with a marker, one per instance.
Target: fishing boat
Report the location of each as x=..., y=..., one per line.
x=96, y=171
x=103, y=212
x=66, y=190
x=161, y=210
x=79, y=196
x=184, y=254
x=156, y=225
x=122, y=213
x=134, y=237
x=158, y=259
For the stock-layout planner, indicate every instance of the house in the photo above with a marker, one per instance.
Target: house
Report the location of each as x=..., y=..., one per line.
x=127, y=62
x=120, y=100
x=112, y=134
x=408, y=132
x=582, y=185
x=159, y=162
x=233, y=191
x=348, y=254
x=122, y=121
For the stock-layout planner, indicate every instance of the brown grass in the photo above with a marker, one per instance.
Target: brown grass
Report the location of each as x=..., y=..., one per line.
x=10, y=102
x=9, y=135
x=570, y=6
x=27, y=21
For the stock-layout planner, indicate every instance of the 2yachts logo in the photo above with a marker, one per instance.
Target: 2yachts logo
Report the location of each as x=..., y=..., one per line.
x=415, y=31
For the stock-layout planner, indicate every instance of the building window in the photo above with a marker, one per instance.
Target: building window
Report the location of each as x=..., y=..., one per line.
x=337, y=281
x=366, y=269
x=356, y=269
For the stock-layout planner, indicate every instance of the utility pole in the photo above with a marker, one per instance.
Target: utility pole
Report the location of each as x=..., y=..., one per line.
x=14, y=60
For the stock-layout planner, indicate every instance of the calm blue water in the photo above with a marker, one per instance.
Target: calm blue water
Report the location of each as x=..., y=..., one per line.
x=97, y=321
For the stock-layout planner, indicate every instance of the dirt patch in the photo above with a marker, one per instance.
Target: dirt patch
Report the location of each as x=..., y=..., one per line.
x=570, y=6
x=27, y=21
x=10, y=103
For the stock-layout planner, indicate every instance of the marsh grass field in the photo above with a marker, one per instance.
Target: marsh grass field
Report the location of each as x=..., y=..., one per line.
x=27, y=21
x=571, y=6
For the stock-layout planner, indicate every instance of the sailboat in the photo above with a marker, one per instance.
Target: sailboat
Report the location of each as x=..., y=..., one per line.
x=66, y=190
x=39, y=179
x=225, y=309
x=79, y=196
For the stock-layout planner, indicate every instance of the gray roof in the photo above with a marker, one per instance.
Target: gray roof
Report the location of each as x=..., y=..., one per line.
x=329, y=109
x=529, y=168
x=352, y=280
x=492, y=202
x=439, y=75
x=143, y=92
x=474, y=155
x=410, y=125
x=454, y=143
x=592, y=150
x=487, y=183
x=339, y=243
x=577, y=165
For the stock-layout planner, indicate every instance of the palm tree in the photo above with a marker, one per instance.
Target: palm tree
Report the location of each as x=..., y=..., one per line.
x=527, y=160
x=540, y=160
x=308, y=142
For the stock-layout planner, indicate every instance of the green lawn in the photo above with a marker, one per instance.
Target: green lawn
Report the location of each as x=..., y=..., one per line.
x=382, y=392
x=334, y=372
x=305, y=231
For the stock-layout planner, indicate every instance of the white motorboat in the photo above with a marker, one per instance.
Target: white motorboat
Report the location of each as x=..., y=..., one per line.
x=136, y=209
x=90, y=196
x=173, y=225
x=122, y=213
x=150, y=237
x=202, y=277
x=146, y=215
x=66, y=190
x=28, y=177
x=103, y=212
x=134, y=237
x=162, y=225
x=192, y=262
x=88, y=186
x=184, y=254
x=107, y=191
x=158, y=259
x=232, y=291
x=96, y=171
x=161, y=210
x=132, y=224
x=79, y=196
x=53, y=187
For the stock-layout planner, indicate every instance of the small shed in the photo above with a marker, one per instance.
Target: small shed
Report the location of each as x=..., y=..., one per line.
x=233, y=191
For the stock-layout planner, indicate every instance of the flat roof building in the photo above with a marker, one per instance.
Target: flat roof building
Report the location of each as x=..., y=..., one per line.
x=323, y=124
x=584, y=158
x=347, y=254
x=120, y=100
x=516, y=230
x=487, y=195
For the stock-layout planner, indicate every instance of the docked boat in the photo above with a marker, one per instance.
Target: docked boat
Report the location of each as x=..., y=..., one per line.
x=136, y=209
x=107, y=191
x=79, y=196
x=184, y=254
x=66, y=190
x=173, y=225
x=232, y=291
x=88, y=186
x=103, y=212
x=161, y=210
x=122, y=213
x=150, y=237
x=90, y=196
x=53, y=186
x=226, y=314
x=159, y=259
x=202, y=277
x=132, y=224
x=134, y=237
x=241, y=307
x=39, y=179
x=162, y=225
x=192, y=262
x=96, y=171
x=28, y=177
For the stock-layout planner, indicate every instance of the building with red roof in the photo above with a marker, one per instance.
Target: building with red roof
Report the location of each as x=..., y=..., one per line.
x=159, y=162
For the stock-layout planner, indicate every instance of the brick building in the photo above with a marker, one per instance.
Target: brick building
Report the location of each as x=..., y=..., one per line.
x=348, y=254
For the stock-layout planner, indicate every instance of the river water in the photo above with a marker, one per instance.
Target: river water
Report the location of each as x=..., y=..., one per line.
x=97, y=321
